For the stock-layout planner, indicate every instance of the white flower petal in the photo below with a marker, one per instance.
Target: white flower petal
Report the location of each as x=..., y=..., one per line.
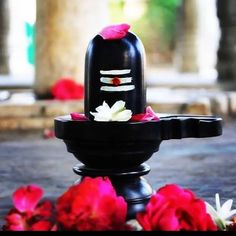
x=222, y=213
x=118, y=106
x=226, y=207
x=210, y=209
x=101, y=116
x=116, y=113
x=230, y=214
x=122, y=116
x=217, y=202
x=103, y=108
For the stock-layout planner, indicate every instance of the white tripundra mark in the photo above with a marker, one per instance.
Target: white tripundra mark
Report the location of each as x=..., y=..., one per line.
x=110, y=80
x=117, y=88
x=115, y=72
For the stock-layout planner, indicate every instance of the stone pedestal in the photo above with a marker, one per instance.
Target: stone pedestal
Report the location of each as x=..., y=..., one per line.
x=63, y=31
x=186, y=56
x=119, y=150
x=226, y=64
x=4, y=30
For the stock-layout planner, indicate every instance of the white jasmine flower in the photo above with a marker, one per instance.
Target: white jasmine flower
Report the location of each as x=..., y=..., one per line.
x=221, y=214
x=117, y=112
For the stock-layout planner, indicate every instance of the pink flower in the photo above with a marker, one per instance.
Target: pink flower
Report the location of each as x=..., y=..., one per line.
x=66, y=88
x=114, y=32
x=78, y=116
x=91, y=205
x=149, y=115
x=172, y=208
x=28, y=214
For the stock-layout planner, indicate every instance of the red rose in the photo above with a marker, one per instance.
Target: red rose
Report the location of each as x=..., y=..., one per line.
x=173, y=208
x=67, y=88
x=28, y=214
x=91, y=205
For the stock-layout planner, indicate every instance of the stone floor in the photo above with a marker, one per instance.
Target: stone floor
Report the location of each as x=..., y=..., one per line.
x=206, y=166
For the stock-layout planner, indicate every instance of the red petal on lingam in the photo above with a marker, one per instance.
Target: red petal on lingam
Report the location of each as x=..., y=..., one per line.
x=114, y=32
x=152, y=113
x=27, y=197
x=149, y=115
x=78, y=116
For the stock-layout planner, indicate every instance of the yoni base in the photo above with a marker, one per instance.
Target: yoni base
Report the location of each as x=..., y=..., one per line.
x=128, y=183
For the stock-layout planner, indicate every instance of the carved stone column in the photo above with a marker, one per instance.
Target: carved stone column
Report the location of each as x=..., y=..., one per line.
x=4, y=31
x=226, y=64
x=63, y=31
x=186, y=53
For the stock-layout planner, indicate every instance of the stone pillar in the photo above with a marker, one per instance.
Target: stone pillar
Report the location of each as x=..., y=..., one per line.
x=63, y=31
x=4, y=32
x=186, y=52
x=226, y=63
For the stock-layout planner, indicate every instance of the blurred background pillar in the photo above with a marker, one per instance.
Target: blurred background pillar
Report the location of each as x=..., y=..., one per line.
x=63, y=31
x=4, y=33
x=186, y=49
x=226, y=64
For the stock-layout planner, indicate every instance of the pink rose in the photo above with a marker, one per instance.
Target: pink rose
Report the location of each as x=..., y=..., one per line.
x=172, y=208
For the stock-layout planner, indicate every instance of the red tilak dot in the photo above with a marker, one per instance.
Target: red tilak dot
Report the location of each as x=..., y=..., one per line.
x=116, y=81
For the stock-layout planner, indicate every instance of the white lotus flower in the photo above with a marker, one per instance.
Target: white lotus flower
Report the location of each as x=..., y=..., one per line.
x=117, y=112
x=222, y=214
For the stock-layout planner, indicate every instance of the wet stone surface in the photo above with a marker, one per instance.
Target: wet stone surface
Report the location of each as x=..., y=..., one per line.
x=206, y=166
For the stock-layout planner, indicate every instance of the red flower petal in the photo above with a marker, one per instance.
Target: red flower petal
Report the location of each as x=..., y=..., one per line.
x=114, y=32
x=14, y=222
x=139, y=117
x=169, y=221
x=15, y=228
x=152, y=113
x=78, y=116
x=44, y=209
x=42, y=225
x=148, y=116
x=181, y=194
x=27, y=197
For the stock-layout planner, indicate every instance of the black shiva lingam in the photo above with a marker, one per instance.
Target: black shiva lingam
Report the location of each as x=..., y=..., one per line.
x=114, y=71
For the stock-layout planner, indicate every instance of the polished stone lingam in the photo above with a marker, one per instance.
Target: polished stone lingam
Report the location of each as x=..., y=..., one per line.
x=114, y=71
